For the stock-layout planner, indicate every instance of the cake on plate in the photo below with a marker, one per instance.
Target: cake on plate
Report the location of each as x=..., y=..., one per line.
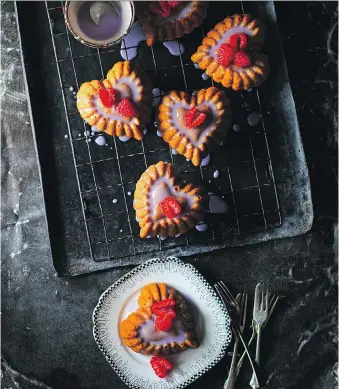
x=231, y=53
x=161, y=325
x=118, y=105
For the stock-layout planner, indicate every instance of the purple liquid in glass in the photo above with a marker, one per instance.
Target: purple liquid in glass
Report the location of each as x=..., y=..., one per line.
x=107, y=28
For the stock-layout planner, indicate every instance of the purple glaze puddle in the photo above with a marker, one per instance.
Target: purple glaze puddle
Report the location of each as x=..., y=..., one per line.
x=148, y=332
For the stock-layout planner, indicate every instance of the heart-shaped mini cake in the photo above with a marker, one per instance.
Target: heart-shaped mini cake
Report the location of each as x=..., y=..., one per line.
x=119, y=105
x=194, y=125
x=166, y=205
x=168, y=20
x=161, y=325
x=230, y=53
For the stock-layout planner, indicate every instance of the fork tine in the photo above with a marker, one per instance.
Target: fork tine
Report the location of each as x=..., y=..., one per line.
x=227, y=291
x=257, y=297
x=219, y=294
x=266, y=300
x=262, y=301
x=229, y=294
x=239, y=299
x=243, y=319
x=274, y=303
x=272, y=298
x=225, y=297
x=243, y=297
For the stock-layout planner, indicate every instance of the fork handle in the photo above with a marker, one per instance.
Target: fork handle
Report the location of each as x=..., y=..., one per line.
x=252, y=361
x=229, y=384
x=257, y=350
x=241, y=359
x=253, y=382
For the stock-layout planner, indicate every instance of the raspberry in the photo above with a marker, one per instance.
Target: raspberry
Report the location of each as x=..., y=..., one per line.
x=168, y=303
x=164, y=307
x=173, y=4
x=164, y=311
x=194, y=117
x=165, y=363
x=225, y=55
x=241, y=60
x=170, y=207
x=108, y=96
x=238, y=40
x=163, y=323
x=161, y=366
x=165, y=10
x=126, y=108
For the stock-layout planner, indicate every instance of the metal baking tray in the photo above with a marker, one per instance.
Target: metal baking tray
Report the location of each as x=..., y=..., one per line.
x=263, y=177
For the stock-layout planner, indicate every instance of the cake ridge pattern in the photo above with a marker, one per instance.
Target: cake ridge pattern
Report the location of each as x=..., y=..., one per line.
x=189, y=16
x=130, y=329
x=149, y=194
x=195, y=143
x=237, y=78
x=131, y=83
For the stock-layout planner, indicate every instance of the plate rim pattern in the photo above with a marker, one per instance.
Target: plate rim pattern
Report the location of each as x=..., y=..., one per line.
x=128, y=275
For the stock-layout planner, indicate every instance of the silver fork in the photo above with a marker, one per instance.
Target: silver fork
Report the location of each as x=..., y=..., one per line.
x=273, y=302
x=242, y=301
x=260, y=315
x=234, y=316
x=232, y=301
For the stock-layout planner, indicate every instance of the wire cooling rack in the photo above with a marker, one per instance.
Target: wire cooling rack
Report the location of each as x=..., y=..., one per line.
x=106, y=175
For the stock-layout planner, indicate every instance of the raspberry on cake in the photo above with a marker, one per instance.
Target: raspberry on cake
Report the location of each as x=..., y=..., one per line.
x=168, y=20
x=171, y=331
x=231, y=53
x=194, y=125
x=119, y=105
x=165, y=205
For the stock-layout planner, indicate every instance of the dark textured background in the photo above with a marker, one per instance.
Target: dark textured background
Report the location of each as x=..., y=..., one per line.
x=46, y=321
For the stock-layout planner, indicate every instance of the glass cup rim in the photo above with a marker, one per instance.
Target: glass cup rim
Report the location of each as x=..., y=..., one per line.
x=91, y=44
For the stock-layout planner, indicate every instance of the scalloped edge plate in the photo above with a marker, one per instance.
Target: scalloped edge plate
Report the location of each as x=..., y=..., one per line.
x=214, y=325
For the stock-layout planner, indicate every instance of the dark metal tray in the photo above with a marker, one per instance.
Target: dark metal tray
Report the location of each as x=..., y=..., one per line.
x=263, y=174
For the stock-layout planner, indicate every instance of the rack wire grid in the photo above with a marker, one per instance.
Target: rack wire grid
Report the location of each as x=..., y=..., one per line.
x=106, y=175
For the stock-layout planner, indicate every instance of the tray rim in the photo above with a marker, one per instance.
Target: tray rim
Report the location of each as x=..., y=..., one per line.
x=306, y=214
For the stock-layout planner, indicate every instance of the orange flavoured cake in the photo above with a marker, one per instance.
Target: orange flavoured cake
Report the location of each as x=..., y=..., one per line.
x=119, y=105
x=194, y=125
x=166, y=205
x=162, y=324
x=231, y=53
x=168, y=20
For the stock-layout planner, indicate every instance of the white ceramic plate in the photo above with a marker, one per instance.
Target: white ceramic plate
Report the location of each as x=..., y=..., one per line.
x=120, y=299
